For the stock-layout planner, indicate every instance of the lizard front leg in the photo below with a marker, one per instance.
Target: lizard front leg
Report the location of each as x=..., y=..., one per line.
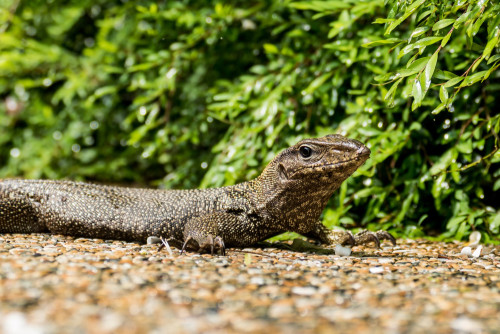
x=330, y=237
x=202, y=233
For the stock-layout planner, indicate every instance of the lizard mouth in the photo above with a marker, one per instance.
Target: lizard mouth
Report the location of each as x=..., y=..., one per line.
x=362, y=157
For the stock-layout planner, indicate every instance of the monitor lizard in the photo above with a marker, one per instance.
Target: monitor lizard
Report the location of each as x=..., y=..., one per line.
x=289, y=195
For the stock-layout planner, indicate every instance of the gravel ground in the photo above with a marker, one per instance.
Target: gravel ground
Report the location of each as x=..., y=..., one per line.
x=56, y=284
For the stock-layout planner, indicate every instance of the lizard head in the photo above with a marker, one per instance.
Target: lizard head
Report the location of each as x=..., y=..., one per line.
x=328, y=159
x=304, y=176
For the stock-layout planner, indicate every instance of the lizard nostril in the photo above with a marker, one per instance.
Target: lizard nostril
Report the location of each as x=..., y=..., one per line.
x=363, y=150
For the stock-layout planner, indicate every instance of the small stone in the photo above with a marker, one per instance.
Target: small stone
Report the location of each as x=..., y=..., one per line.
x=304, y=290
x=16, y=322
x=466, y=325
x=377, y=270
x=474, y=238
x=153, y=240
x=342, y=251
x=466, y=251
x=280, y=310
x=477, y=252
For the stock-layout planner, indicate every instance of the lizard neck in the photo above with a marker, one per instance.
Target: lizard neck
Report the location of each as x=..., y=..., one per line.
x=297, y=205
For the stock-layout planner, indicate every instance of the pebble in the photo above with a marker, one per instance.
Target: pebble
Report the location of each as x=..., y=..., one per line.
x=376, y=270
x=56, y=284
x=303, y=290
x=342, y=251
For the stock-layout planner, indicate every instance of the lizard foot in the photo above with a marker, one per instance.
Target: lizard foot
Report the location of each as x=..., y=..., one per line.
x=365, y=237
x=204, y=243
x=345, y=238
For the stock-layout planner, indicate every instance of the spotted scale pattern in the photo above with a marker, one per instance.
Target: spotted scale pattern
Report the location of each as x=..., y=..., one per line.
x=289, y=195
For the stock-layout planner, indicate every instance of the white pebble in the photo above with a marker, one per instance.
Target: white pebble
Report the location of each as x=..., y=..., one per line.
x=477, y=252
x=467, y=251
x=16, y=322
x=153, y=240
x=304, y=290
x=377, y=270
x=342, y=251
x=474, y=238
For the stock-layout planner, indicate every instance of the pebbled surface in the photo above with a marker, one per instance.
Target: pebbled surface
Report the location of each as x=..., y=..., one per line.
x=57, y=284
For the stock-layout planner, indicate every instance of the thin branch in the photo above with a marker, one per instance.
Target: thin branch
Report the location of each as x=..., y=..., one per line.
x=472, y=164
x=466, y=124
x=12, y=11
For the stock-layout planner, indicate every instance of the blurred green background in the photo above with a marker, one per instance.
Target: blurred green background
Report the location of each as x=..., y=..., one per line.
x=184, y=94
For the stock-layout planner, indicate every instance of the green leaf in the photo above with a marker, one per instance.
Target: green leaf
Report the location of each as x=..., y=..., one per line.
x=464, y=146
x=384, y=77
x=493, y=68
x=426, y=76
x=476, y=63
x=426, y=41
x=142, y=67
x=382, y=21
x=491, y=44
x=443, y=162
x=414, y=67
x=471, y=79
x=404, y=51
x=423, y=15
x=414, y=6
x=443, y=94
x=101, y=91
x=493, y=59
x=495, y=223
x=320, y=6
x=270, y=48
x=496, y=186
x=389, y=96
x=473, y=29
x=461, y=19
x=442, y=24
x=445, y=39
x=453, y=82
x=381, y=42
x=316, y=83
x=444, y=75
x=417, y=94
x=438, y=109
x=419, y=31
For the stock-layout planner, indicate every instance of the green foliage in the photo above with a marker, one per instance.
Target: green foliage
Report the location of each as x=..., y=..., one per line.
x=197, y=93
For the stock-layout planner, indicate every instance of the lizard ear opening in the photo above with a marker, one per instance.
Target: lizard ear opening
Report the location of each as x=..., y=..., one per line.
x=282, y=172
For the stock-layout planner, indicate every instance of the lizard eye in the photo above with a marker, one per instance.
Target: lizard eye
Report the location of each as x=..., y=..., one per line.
x=305, y=151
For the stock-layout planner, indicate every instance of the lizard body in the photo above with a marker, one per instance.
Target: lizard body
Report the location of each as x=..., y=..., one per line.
x=289, y=195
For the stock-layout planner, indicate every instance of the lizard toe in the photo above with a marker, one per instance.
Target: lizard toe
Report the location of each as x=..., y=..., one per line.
x=384, y=235
x=365, y=237
x=204, y=244
x=220, y=243
x=214, y=244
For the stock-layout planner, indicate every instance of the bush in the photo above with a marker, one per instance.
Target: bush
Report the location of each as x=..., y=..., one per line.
x=192, y=93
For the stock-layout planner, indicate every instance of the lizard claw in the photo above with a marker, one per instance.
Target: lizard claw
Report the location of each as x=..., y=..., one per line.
x=213, y=243
x=183, y=249
x=220, y=243
x=347, y=239
x=384, y=235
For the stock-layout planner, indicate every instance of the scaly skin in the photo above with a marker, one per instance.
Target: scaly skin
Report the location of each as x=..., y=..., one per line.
x=289, y=195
